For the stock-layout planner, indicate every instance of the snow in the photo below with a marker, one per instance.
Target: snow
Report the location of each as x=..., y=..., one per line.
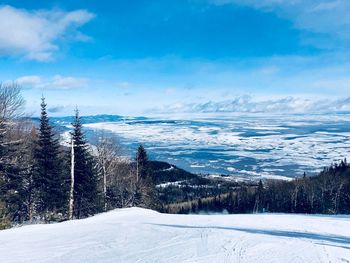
x=177, y=183
x=140, y=235
x=294, y=144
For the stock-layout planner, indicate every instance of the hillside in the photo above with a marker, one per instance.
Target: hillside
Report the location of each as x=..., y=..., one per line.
x=139, y=235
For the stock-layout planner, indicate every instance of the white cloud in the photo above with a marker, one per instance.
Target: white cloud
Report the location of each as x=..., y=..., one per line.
x=34, y=35
x=249, y=104
x=55, y=82
x=59, y=82
x=28, y=81
x=56, y=109
x=326, y=6
x=326, y=17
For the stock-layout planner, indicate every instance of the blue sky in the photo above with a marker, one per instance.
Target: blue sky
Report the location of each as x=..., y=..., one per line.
x=135, y=57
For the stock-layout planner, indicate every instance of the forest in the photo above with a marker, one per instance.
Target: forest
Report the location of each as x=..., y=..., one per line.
x=42, y=180
x=325, y=193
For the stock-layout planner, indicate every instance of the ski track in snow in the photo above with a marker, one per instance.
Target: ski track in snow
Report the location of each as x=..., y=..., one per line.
x=140, y=235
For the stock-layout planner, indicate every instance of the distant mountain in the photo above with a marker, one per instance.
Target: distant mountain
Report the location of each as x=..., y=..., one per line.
x=66, y=120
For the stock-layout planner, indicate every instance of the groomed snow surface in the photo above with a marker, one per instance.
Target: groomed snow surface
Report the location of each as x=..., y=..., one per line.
x=139, y=235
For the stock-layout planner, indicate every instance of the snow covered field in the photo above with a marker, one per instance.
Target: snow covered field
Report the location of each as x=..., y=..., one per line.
x=252, y=146
x=139, y=235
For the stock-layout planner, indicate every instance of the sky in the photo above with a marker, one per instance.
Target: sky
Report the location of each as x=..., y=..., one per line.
x=145, y=56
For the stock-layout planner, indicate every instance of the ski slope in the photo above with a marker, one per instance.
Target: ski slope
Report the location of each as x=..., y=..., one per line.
x=140, y=235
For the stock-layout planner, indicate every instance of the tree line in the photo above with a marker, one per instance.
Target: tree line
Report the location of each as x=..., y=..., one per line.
x=43, y=180
x=326, y=193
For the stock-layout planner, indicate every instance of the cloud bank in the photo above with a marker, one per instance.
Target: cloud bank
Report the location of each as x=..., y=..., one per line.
x=35, y=35
x=249, y=104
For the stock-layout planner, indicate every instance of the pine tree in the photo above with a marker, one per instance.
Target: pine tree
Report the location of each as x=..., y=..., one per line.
x=85, y=179
x=141, y=162
x=259, y=198
x=145, y=192
x=51, y=194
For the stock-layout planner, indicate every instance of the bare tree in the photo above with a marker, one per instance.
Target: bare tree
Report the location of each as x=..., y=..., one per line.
x=11, y=108
x=17, y=137
x=108, y=158
x=11, y=101
x=122, y=185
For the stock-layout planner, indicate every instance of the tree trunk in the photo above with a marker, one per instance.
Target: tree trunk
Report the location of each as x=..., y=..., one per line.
x=71, y=192
x=105, y=187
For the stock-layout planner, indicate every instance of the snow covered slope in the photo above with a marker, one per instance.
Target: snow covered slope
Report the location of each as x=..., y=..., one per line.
x=139, y=235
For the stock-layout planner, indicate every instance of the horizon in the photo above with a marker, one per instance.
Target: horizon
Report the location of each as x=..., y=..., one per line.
x=184, y=115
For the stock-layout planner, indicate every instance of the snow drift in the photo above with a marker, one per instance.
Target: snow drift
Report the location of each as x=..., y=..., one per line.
x=140, y=235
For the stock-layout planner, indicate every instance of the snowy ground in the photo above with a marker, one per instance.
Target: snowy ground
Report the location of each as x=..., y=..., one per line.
x=139, y=235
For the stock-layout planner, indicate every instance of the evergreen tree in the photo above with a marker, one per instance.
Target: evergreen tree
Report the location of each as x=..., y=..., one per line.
x=259, y=198
x=85, y=179
x=145, y=192
x=51, y=194
x=141, y=161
